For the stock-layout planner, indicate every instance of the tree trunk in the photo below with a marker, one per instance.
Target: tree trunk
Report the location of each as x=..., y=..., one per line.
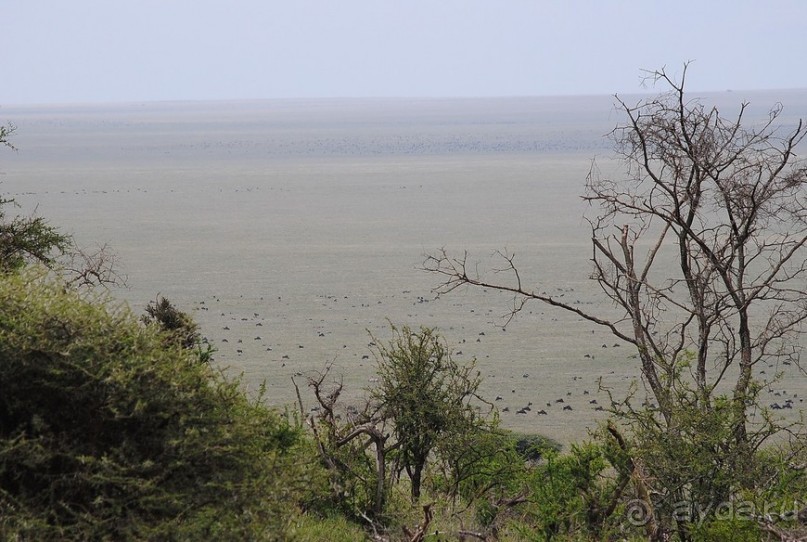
x=381, y=472
x=415, y=476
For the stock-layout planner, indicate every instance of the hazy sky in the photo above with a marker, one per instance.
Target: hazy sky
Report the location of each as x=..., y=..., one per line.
x=56, y=51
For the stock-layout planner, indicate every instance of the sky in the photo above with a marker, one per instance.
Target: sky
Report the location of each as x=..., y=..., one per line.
x=89, y=51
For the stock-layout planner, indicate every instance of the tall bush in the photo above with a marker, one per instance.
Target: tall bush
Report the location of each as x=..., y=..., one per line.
x=108, y=432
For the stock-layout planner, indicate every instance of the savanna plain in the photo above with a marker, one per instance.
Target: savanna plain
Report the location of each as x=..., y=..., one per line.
x=295, y=231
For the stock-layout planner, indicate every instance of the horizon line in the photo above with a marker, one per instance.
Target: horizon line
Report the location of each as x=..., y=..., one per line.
x=156, y=101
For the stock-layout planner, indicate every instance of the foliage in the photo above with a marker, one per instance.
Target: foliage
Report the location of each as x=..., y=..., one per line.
x=534, y=447
x=727, y=530
x=107, y=432
x=481, y=465
x=778, y=502
x=24, y=240
x=178, y=326
x=570, y=494
x=311, y=528
x=691, y=466
x=426, y=395
x=685, y=481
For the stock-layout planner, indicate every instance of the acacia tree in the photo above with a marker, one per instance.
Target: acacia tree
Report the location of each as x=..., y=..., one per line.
x=426, y=394
x=425, y=407
x=24, y=240
x=701, y=247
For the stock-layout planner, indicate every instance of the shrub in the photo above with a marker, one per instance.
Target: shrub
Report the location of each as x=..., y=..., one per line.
x=108, y=432
x=568, y=493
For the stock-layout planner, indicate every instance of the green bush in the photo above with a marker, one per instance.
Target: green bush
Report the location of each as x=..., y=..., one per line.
x=27, y=239
x=310, y=528
x=108, y=432
x=568, y=495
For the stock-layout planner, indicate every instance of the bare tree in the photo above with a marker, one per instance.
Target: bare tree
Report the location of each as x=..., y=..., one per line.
x=341, y=443
x=88, y=267
x=700, y=245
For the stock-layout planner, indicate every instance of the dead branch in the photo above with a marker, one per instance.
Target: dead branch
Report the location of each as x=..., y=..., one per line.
x=93, y=267
x=454, y=271
x=420, y=532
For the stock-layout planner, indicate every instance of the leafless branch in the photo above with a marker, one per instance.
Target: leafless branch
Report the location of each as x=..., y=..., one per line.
x=93, y=267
